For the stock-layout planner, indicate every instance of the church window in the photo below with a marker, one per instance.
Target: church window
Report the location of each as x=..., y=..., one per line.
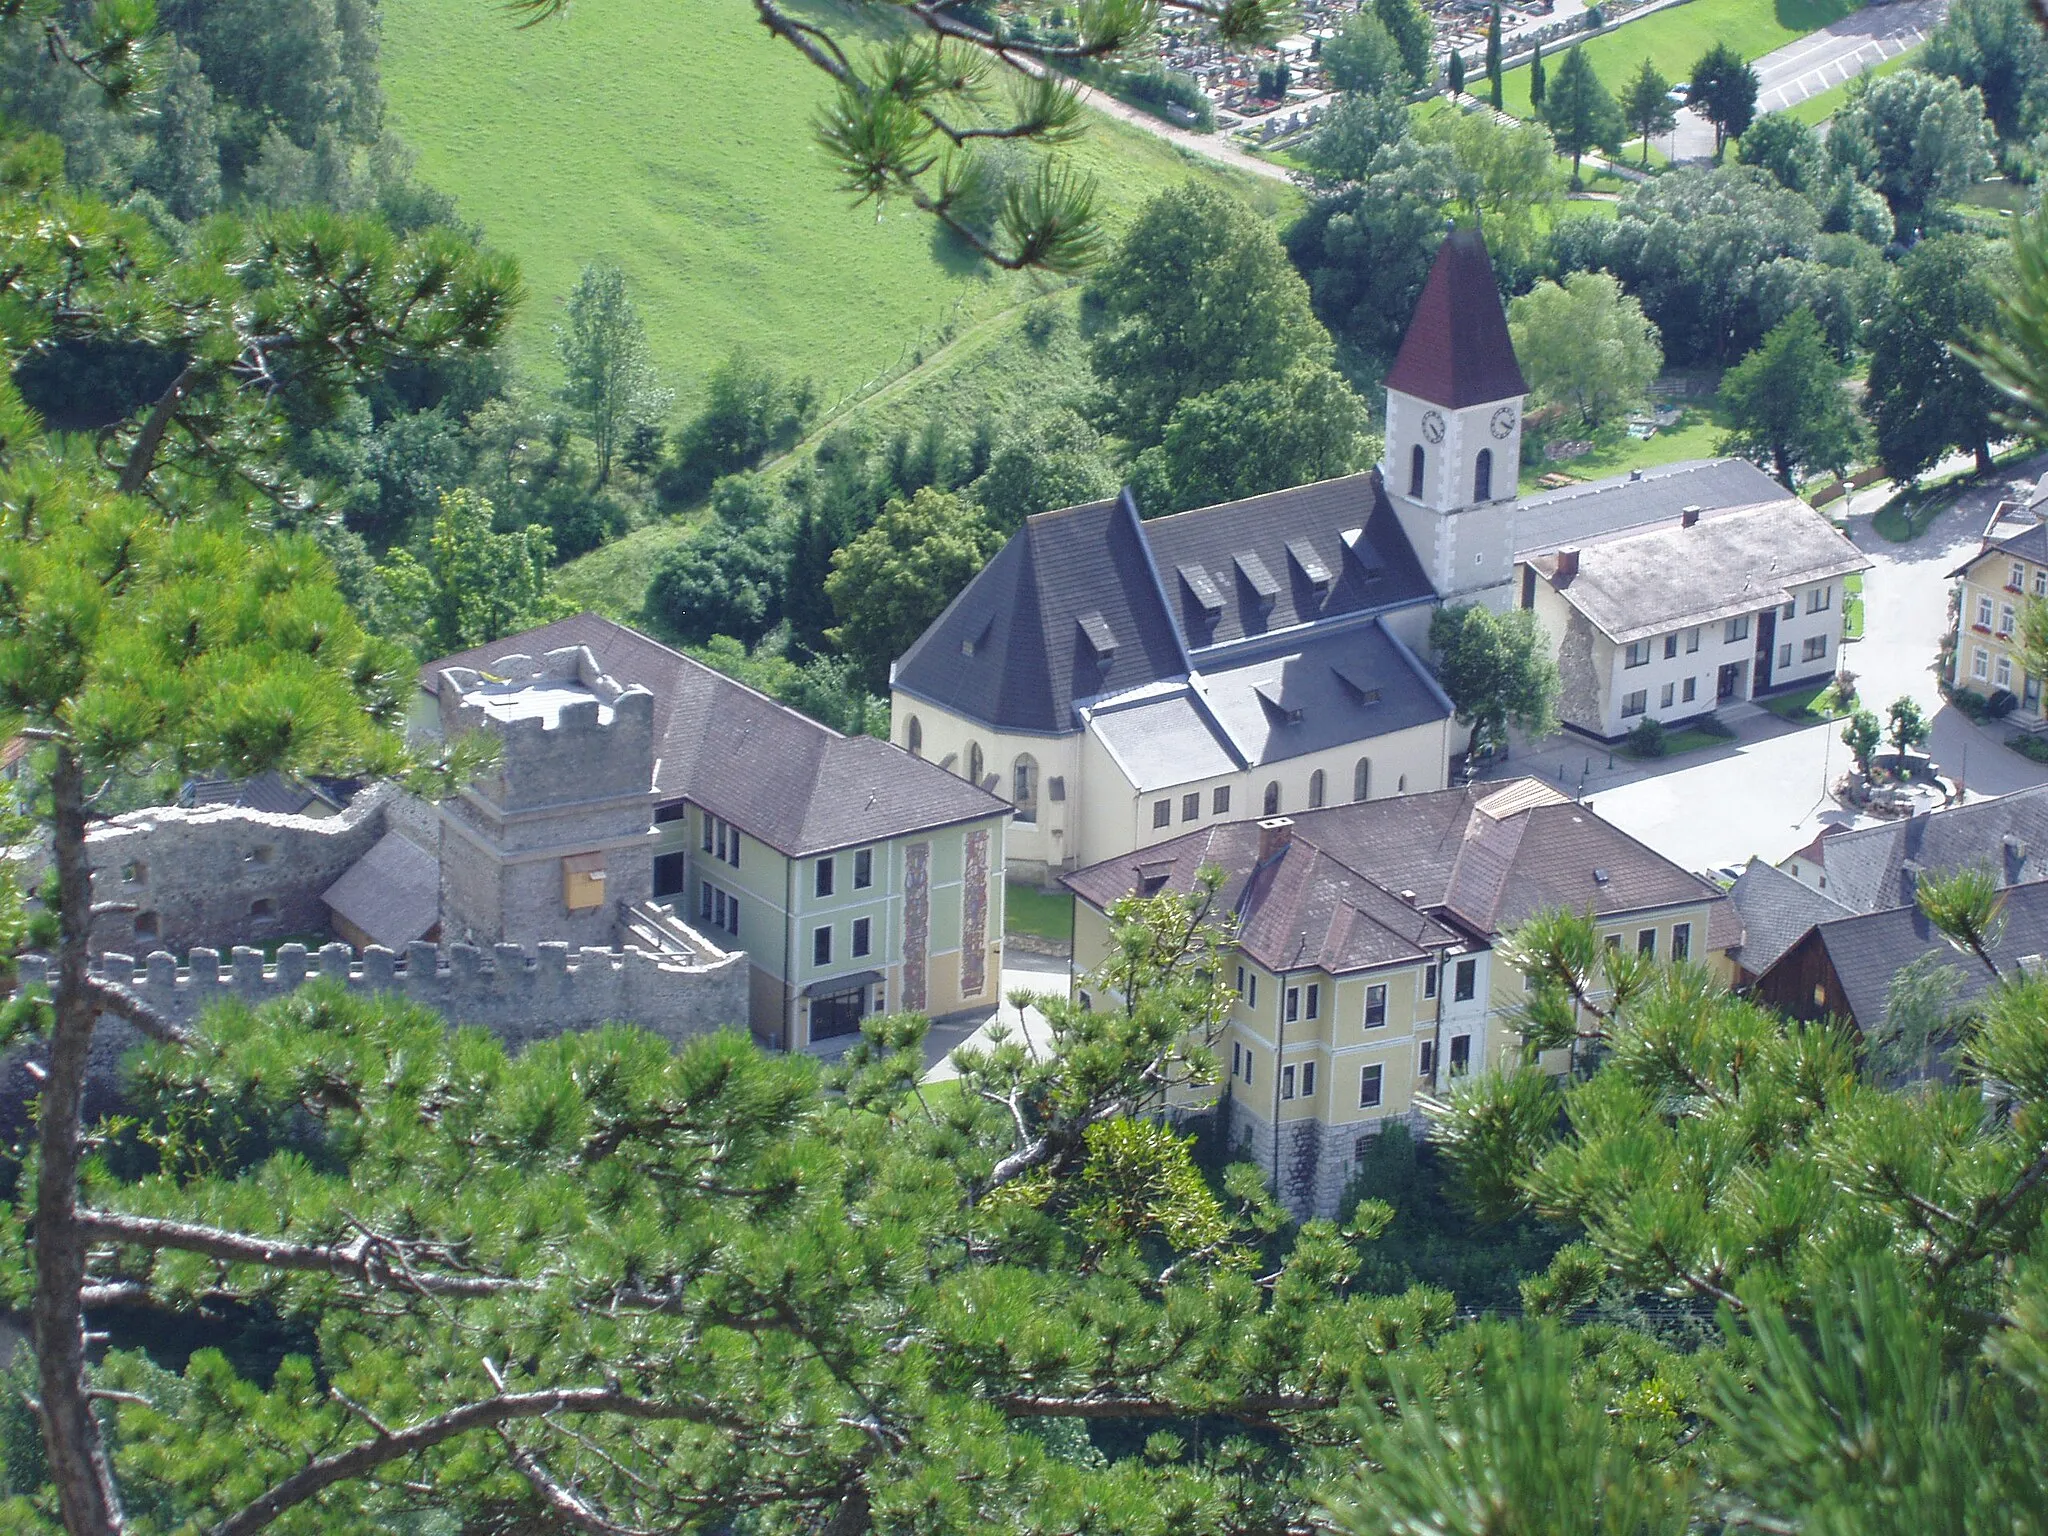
x=974, y=762
x=1273, y=798
x=1361, y=778
x=1315, y=790
x=1482, y=476
x=913, y=736
x=1415, y=471
x=1024, y=784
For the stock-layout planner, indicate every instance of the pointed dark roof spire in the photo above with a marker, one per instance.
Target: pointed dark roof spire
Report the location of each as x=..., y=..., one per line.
x=1457, y=351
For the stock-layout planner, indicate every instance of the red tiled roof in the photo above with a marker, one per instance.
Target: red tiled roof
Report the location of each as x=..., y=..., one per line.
x=1457, y=351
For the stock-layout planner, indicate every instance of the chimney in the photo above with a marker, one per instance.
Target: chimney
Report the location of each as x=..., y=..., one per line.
x=1567, y=564
x=1635, y=474
x=1688, y=516
x=1409, y=897
x=1275, y=833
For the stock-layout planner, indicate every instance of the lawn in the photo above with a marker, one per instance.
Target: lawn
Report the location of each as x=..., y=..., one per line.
x=1806, y=706
x=1697, y=436
x=674, y=139
x=1675, y=39
x=1039, y=914
x=1816, y=110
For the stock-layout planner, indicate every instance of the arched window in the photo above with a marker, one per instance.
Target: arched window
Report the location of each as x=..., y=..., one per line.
x=913, y=736
x=1482, y=476
x=1401, y=785
x=1415, y=472
x=1024, y=787
x=1273, y=798
x=974, y=762
x=1315, y=790
x=1361, y=779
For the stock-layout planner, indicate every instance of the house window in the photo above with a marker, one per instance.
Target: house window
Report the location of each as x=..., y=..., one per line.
x=1361, y=778
x=1240, y=981
x=1983, y=613
x=1429, y=979
x=671, y=871
x=1646, y=943
x=1637, y=655
x=583, y=881
x=676, y=812
x=1691, y=690
x=1482, y=476
x=1681, y=940
x=1815, y=648
x=1219, y=800
x=1664, y=698
x=1790, y=610
x=1466, y=981
x=1291, y=1010
x=1637, y=703
x=1315, y=998
x=710, y=823
x=863, y=869
x=1308, y=1079
x=2002, y=672
x=824, y=877
x=2041, y=583
x=1415, y=472
x=1315, y=790
x=1024, y=788
x=1820, y=599
x=913, y=736
x=1236, y=1058
x=1369, y=1084
x=1670, y=646
x=1162, y=813
x=2019, y=577
x=1734, y=630
x=861, y=931
x=2005, y=618
x=1287, y=1082
x=135, y=872
x=1251, y=990
x=1692, y=639
x=1247, y=1069
x=1375, y=1005
x=1785, y=655
x=1613, y=941
x=1461, y=1055
x=1980, y=663
x=1425, y=1059
x=1191, y=806
x=821, y=946
x=1273, y=798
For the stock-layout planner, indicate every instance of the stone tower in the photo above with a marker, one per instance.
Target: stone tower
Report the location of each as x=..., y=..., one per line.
x=1454, y=428
x=556, y=837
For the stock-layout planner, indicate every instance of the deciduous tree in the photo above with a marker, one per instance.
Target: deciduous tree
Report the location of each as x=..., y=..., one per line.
x=470, y=585
x=721, y=580
x=1999, y=47
x=1862, y=735
x=1249, y=438
x=892, y=581
x=1498, y=670
x=603, y=348
x=1724, y=91
x=1786, y=404
x=1363, y=57
x=1586, y=345
x=1916, y=139
x=1780, y=143
x=1925, y=399
x=1058, y=461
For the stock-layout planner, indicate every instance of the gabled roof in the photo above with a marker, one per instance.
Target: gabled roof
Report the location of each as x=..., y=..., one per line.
x=1871, y=868
x=1777, y=912
x=1656, y=580
x=796, y=785
x=1026, y=637
x=1457, y=351
x=392, y=893
x=1550, y=520
x=1481, y=859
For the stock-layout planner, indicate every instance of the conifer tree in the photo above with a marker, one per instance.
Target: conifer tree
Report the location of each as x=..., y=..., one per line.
x=1537, y=84
x=1493, y=59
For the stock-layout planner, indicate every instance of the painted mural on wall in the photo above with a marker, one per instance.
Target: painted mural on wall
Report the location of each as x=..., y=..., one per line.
x=917, y=922
x=974, y=925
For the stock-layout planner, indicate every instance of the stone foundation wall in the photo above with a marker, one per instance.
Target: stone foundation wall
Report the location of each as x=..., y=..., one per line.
x=1316, y=1160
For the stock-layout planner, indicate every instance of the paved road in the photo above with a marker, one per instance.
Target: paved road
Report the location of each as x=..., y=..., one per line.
x=1819, y=62
x=1766, y=792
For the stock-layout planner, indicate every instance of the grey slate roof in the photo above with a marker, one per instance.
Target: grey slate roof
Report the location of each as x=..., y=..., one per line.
x=392, y=893
x=268, y=791
x=1867, y=868
x=796, y=785
x=1777, y=912
x=1736, y=562
x=1552, y=519
x=1484, y=856
x=1868, y=950
x=1024, y=641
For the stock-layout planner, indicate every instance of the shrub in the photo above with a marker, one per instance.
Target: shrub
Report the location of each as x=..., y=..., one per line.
x=1647, y=739
x=1714, y=726
x=2034, y=748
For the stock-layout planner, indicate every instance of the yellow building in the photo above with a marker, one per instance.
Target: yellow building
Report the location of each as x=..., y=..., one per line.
x=1365, y=969
x=2010, y=570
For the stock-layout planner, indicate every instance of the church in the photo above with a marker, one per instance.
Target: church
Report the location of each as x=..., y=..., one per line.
x=1123, y=681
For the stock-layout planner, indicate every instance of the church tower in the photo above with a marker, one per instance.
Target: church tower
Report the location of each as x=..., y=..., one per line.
x=1454, y=428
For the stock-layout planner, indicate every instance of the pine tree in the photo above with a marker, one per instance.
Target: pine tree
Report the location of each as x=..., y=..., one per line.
x=1536, y=81
x=1455, y=71
x=1493, y=59
x=1579, y=111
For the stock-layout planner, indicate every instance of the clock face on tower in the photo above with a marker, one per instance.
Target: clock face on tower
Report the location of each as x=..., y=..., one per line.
x=1433, y=426
x=1503, y=421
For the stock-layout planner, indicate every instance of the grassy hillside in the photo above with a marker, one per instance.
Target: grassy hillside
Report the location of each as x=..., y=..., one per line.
x=673, y=137
x=1676, y=38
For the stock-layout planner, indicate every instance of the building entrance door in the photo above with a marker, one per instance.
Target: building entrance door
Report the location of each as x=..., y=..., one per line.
x=1730, y=682
x=1766, y=639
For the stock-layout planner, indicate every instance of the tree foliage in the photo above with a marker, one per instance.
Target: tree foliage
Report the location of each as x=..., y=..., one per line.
x=1414, y=36
x=1916, y=139
x=1925, y=399
x=603, y=348
x=1249, y=438
x=1646, y=106
x=1580, y=111
x=1998, y=47
x=1057, y=461
x=1498, y=670
x=891, y=582
x=1786, y=406
x=1780, y=143
x=1586, y=345
x=471, y=585
x=1363, y=57
x=1724, y=91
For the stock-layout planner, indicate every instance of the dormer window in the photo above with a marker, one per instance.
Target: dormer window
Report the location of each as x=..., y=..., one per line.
x=1095, y=631
x=1251, y=570
x=1203, y=589
x=1277, y=704
x=979, y=639
x=1310, y=564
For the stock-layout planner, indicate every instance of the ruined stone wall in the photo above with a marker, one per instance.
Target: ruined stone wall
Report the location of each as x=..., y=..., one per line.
x=1316, y=1160
x=225, y=875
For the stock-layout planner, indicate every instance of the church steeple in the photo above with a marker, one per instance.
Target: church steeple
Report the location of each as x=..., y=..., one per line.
x=1454, y=424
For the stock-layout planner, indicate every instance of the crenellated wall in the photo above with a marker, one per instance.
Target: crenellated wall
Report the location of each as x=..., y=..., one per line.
x=519, y=996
